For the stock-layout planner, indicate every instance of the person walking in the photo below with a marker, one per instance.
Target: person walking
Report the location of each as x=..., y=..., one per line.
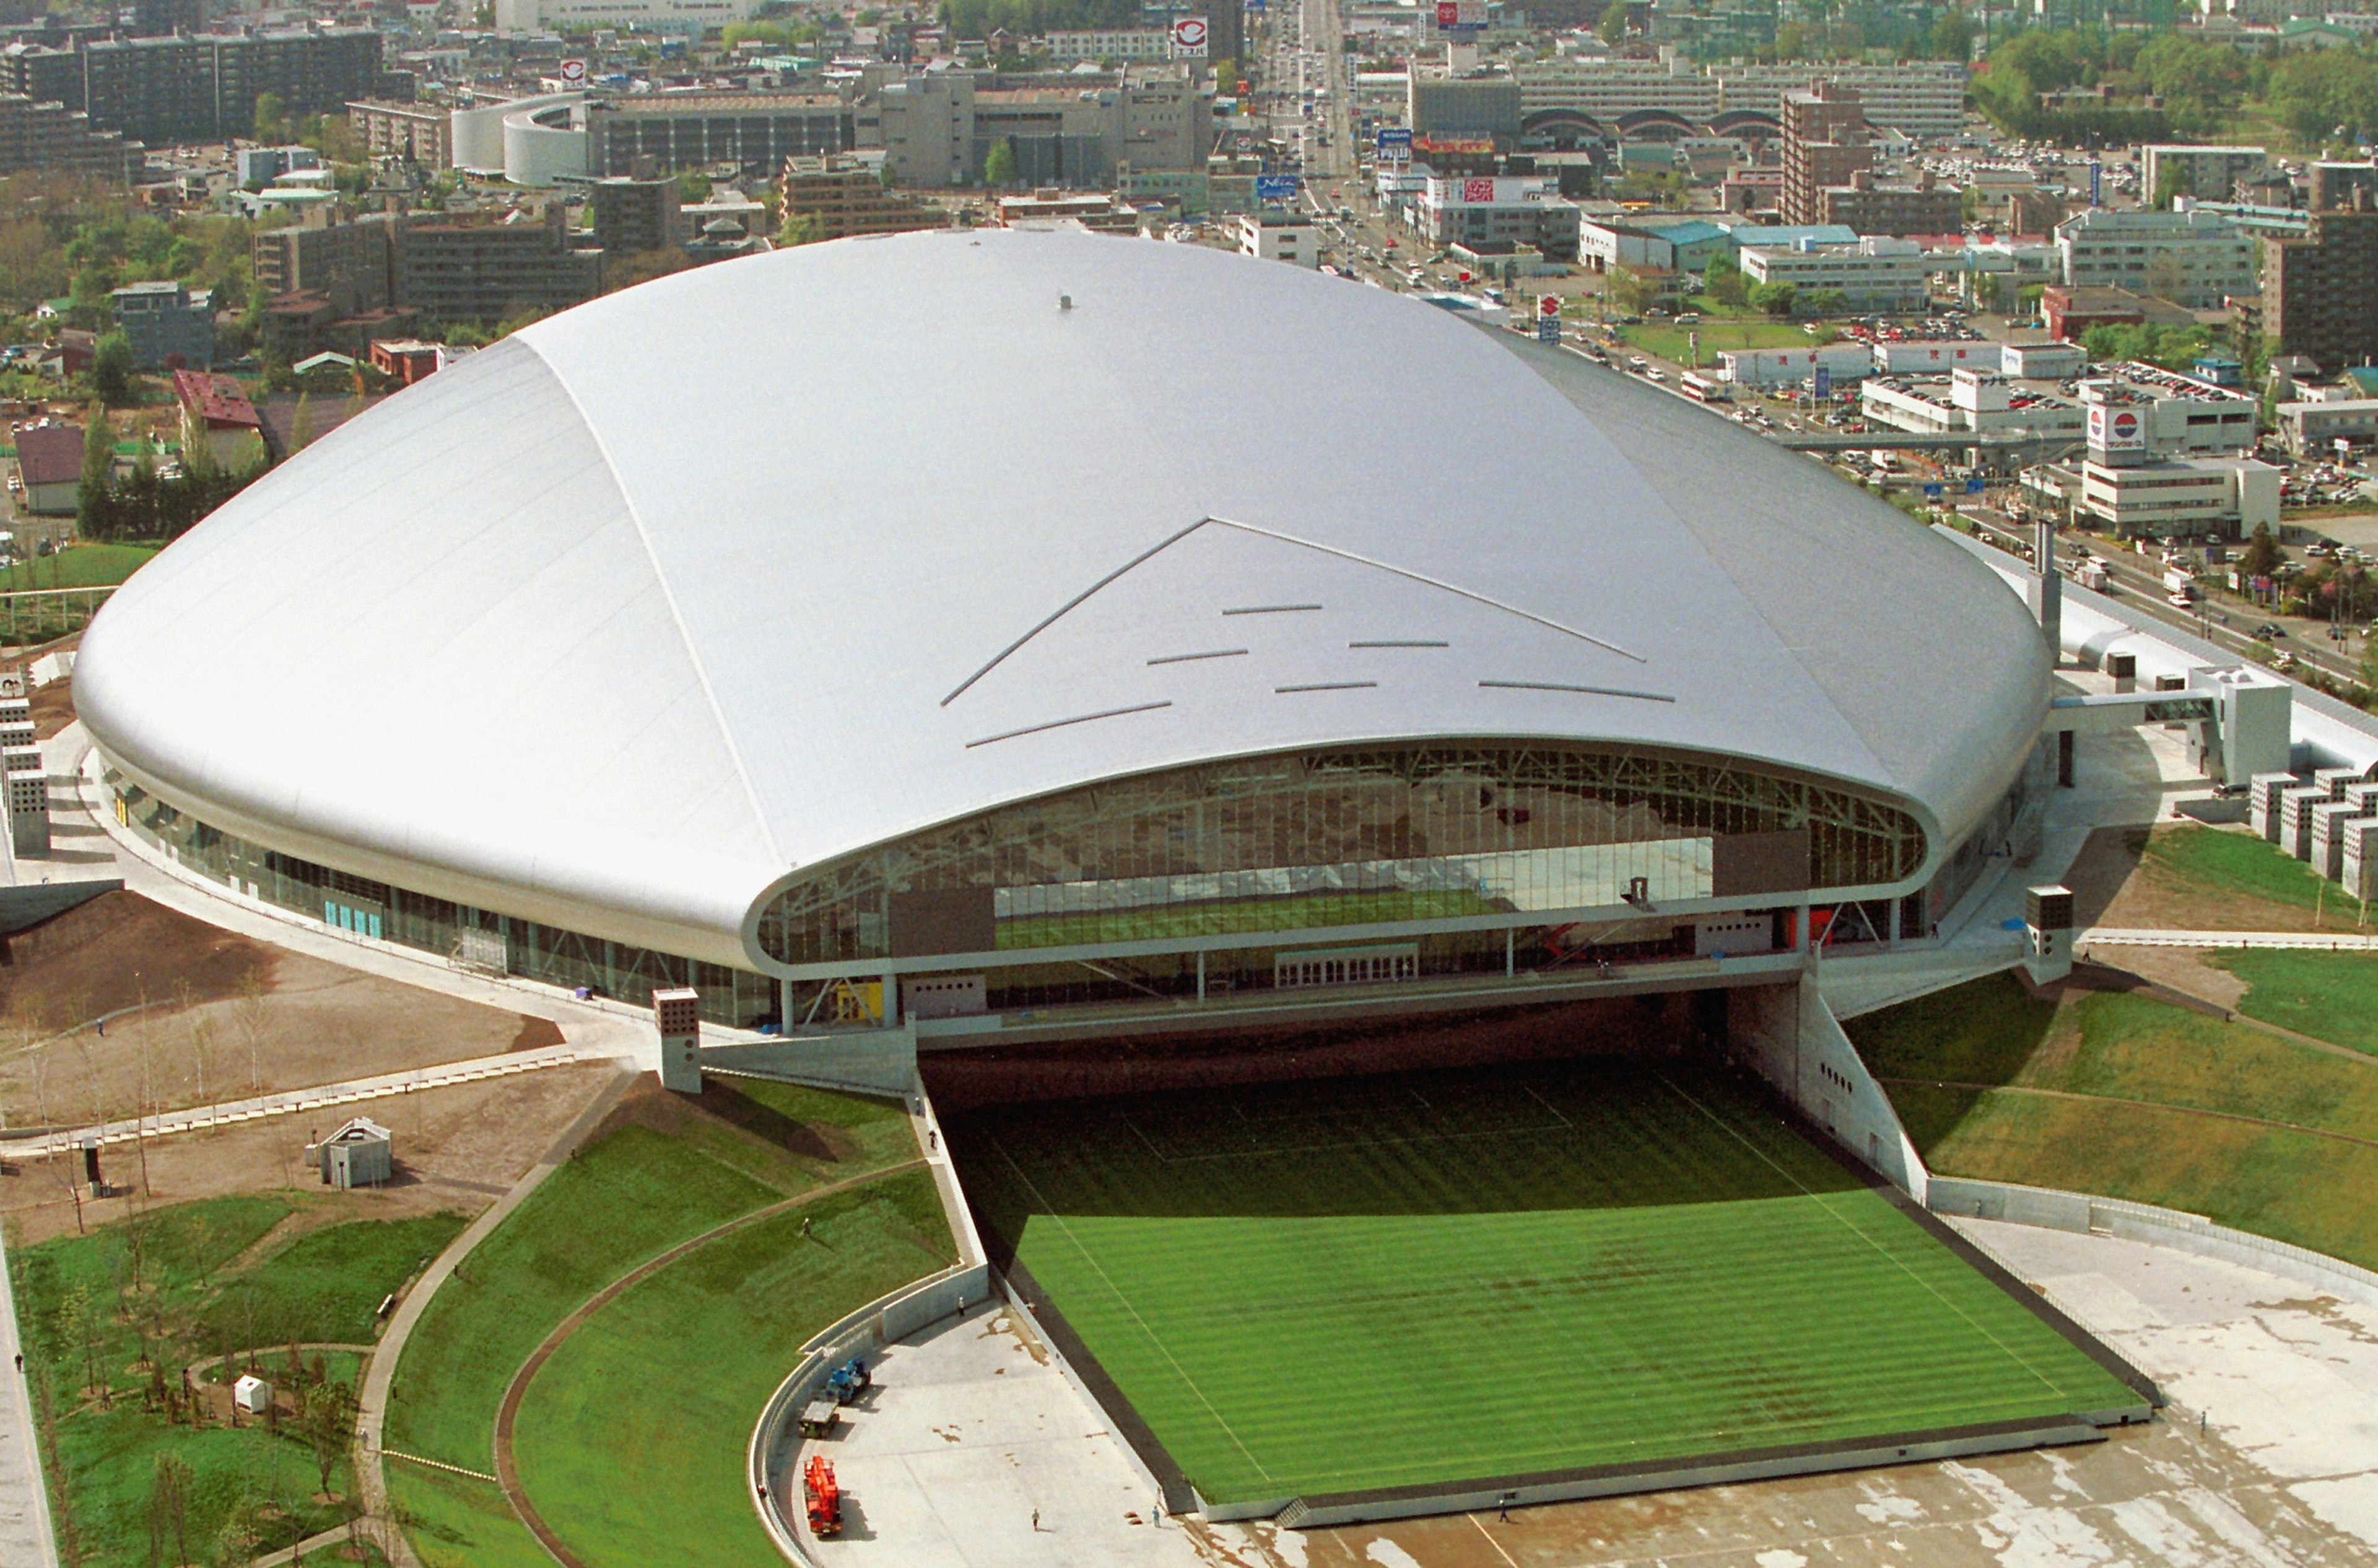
x=1036, y=1521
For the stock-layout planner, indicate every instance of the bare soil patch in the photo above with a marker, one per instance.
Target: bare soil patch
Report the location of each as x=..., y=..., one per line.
x=2113, y=885
x=2182, y=969
x=227, y=1017
x=54, y=708
x=456, y=1148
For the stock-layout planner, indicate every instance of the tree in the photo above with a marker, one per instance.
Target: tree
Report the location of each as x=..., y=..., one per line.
x=1775, y=299
x=2261, y=556
x=999, y=164
x=1612, y=28
x=1724, y=282
x=330, y=1426
x=271, y=121
x=169, y=1508
x=111, y=369
x=1951, y=37
x=802, y=228
x=93, y=512
x=2176, y=179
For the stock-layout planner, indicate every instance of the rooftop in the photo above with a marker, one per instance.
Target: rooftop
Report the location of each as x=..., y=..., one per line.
x=218, y=400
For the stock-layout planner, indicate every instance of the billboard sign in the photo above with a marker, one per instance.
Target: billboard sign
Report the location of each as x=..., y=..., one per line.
x=1931, y=489
x=1548, y=305
x=2097, y=183
x=1189, y=34
x=1973, y=484
x=1824, y=382
x=1548, y=330
x=574, y=73
x=2116, y=429
x=1460, y=15
x=1461, y=144
x=1478, y=190
x=1272, y=189
x=1395, y=143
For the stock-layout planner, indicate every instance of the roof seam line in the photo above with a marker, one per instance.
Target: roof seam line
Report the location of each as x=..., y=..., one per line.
x=668, y=596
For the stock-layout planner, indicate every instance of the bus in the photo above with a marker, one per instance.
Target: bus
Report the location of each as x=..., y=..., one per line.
x=1705, y=389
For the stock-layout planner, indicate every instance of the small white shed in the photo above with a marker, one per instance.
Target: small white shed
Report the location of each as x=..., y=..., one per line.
x=360, y=1154
x=252, y=1393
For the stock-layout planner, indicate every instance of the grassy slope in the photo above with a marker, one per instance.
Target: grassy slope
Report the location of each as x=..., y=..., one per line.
x=1556, y=1274
x=79, y=566
x=327, y=1284
x=2331, y=996
x=455, y=1522
x=614, y=1204
x=109, y=1453
x=2315, y=1191
x=667, y=1379
x=2218, y=864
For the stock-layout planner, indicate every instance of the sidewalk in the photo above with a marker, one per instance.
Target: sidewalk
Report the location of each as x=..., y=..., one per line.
x=25, y=1541
x=2310, y=941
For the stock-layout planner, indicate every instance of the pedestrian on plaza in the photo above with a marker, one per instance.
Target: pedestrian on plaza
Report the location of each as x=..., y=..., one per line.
x=1036, y=1521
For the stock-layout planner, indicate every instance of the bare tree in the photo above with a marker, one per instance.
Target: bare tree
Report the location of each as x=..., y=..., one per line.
x=253, y=1011
x=169, y=1508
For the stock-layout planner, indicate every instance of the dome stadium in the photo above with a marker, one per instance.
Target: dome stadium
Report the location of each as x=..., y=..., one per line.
x=1014, y=619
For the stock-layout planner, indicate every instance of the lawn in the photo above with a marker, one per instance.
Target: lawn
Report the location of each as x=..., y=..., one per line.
x=2110, y=1100
x=1671, y=344
x=615, y=1203
x=78, y=566
x=1458, y=1276
x=667, y=1379
x=1295, y=912
x=2217, y=866
x=179, y=1285
x=2330, y=996
x=455, y=1522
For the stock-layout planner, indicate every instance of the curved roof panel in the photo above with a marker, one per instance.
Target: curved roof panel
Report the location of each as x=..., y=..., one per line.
x=763, y=564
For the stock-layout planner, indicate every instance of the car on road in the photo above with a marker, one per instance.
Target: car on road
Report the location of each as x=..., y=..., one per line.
x=2266, y=633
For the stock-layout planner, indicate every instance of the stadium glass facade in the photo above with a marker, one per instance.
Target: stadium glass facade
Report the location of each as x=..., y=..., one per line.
x=1311, y=840
x=478, y=939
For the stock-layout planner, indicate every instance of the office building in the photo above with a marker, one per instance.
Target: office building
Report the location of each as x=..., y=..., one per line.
x=2320, y=292
x=2195, y=260
x=629, y=215
x=1496, y=213
x=2209, y=174
x=1876, y=274
x=168, y=325
x=938, y=130
x=844, y=197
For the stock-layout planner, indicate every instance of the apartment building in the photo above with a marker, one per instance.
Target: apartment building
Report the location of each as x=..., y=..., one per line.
x=458, y=268
x=204, y=87
x=2209, y=174
x=1825, y=146
x=2320, y=292
x=845, y=198
x=1878, y=273
x=168, y=325
x=631, y=215
x=421, y=133
x=51, y=137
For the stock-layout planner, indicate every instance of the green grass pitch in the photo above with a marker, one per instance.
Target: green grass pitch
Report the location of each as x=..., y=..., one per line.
x=1316, y=1288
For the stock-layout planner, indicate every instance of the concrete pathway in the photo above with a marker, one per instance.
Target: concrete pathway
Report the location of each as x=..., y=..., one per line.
x=2307, y=941
x=25, y=1537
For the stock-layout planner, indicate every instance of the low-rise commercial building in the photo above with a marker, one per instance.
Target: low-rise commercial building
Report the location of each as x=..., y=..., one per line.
x=1876, y=274
x=1494, y=213
x=2229, y=498
x=1100, y=214
x=2211, y=173
x=1841, y=362
x=2195, y=259
x=1280, y=236
x=2316, y=428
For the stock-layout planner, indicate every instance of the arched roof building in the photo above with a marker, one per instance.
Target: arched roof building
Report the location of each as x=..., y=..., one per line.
x=968, y=601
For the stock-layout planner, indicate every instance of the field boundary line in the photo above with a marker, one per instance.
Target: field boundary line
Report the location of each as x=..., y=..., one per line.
x=1880, y=1250
x=1161, y=1348
x=439, y=1464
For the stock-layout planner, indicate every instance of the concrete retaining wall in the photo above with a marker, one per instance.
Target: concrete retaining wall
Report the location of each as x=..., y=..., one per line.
x=870, y=1061
x=2080, y=1213
x=1790, y=1036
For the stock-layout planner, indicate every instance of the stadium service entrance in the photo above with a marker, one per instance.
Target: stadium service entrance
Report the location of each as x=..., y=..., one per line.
x=1361, y=1297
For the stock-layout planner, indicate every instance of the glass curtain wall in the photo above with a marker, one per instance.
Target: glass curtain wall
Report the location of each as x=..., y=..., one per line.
x=1312, y=840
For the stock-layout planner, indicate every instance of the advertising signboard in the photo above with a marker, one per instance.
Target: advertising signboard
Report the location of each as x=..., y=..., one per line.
x=1460, y=15
x=1395, y=143
x=1272, y=189
x=574, y=73
x=2116, y=429
x=1548, y=330
x=1189, y=36
x=1824, y=382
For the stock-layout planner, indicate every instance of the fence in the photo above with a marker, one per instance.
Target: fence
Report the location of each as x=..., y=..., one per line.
x=39, y=615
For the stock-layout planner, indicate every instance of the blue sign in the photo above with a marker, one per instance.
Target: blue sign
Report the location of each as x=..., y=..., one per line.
x=1932, y=490
x=1548, y=330
x=1973, y=485
x=2097, y=183
x=1824, y=382
x=1275, y=188
x=1256, y=6
x=1395, y=141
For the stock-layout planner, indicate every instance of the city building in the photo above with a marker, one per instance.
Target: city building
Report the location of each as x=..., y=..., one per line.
x=1098, y=213
x=1109, y=45
x=2192, y=259
x=844, y=197
x=324, y=256
x=754, y=131
x=420, y=133
x=2210, y=173
x=1877, y=274
x=2069, y=313
x=1545, y=765
x=204, y=86
x=1840, y=363
x=51, y=138
x=1276, y=235
x=256, y=166
x=1825, y=144
x=215, y=412
x=938, y=130
x=2313, y=429
x=48, y=462
x=168, y=325
x=1464, y=106
x=456, y=268
x=2320, y=292
x=1923, y=208
x=1923, y=99
x=2168, y=414
x=2331, y=186
x=629, y=215
x=2227, y=498
x=1493, y=214
x=530, y=19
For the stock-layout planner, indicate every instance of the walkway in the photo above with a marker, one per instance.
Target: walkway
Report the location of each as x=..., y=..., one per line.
x=2310, y=941
x=199, y=1118
x=24, y=1504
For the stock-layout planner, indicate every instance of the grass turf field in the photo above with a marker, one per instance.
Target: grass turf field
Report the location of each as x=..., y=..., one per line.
x=1455, y=1276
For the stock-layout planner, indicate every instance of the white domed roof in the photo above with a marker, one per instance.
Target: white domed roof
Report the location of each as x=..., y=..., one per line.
x=763, y=564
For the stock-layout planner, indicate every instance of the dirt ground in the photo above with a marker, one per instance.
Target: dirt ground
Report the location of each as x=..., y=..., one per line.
x=53, y=708
x=457, y=1148
x=2111, y=888
x=227, y=1017
x=2184, y=970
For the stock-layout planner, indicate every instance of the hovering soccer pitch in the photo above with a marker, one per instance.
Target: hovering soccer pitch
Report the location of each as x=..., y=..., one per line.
x=1313, y=1290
